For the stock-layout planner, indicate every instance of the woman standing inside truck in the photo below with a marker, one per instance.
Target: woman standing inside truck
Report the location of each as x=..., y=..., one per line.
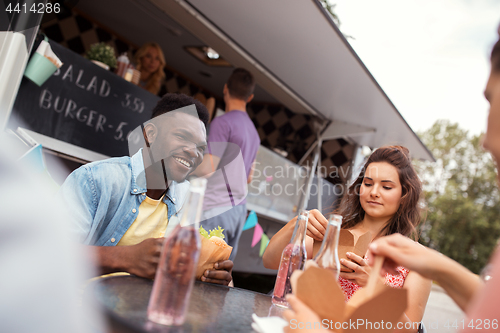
x=151, y=63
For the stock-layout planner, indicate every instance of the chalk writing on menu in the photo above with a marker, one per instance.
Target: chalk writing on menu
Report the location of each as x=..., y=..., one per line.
x=84, y=105
x=98, y=87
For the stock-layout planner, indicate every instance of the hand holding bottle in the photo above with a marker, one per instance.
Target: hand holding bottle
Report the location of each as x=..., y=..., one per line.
x=141, y=259
x=292, y=258
x=177, y=265
x=316, y=225
x=181, y=265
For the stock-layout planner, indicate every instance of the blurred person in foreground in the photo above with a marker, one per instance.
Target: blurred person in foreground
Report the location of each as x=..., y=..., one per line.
x=122, y=207
x=43, y=270
x=479, y=300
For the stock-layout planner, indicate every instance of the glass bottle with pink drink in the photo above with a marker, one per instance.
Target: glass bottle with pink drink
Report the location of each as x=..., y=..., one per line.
x=328, y=254
x=292, y=258
x=176, y=270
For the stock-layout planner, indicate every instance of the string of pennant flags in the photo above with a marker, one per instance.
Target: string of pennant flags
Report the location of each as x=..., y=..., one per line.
x=258, y=233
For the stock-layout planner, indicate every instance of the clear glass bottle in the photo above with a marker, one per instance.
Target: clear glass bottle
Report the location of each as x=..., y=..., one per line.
x=328, y=254
x=179, y=256
x=293, y=257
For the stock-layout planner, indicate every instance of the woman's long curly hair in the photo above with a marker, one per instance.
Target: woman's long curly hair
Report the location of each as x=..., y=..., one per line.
x=407, y=217
x=155, y=80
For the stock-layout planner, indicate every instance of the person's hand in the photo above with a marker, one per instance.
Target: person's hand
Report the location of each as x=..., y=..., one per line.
x=221, y=274
x=142, y=259
x=359, y=266
x=316, y=225
x=399, y=250
x=299, y=315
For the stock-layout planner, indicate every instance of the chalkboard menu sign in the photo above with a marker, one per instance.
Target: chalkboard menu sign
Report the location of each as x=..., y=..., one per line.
x=83, y=104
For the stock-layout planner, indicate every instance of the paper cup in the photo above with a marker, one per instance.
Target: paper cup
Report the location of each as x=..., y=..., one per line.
x=39, y=69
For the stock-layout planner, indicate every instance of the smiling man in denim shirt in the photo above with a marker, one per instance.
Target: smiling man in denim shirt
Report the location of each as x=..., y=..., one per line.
x=129, y=201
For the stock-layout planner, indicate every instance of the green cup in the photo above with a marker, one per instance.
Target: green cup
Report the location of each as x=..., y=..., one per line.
x=39, y=69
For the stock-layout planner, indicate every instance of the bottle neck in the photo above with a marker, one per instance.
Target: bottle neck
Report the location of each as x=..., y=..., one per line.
x=328, y=253
x=193, y=206
x=299, y=232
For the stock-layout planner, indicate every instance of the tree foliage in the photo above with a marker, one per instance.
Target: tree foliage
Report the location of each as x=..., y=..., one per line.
x=330, y=7
x=461, y=196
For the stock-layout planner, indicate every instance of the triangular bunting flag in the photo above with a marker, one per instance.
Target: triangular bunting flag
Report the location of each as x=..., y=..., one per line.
x=251, y=221
x=34, y=159
x=257, y=234
x=263, y=244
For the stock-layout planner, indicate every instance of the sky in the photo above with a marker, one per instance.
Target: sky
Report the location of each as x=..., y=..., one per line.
x=431, y=57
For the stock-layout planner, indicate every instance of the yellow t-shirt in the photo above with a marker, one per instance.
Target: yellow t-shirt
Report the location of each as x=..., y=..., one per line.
x=151, y=222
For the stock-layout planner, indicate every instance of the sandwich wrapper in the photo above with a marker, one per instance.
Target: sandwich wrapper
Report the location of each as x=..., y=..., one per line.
x=318, y=289
x=347, y=243
x=45, y=50
x=210, y=253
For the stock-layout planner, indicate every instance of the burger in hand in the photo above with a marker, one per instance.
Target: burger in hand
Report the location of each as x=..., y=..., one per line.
x=213, y=249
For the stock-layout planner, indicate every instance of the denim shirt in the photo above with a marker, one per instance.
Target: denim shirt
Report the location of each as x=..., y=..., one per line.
x=103, y=198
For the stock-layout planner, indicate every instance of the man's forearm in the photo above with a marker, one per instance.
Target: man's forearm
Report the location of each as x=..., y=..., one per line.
x=458, y=282
x=109, y=259
x=139, y=259
x=272, y=256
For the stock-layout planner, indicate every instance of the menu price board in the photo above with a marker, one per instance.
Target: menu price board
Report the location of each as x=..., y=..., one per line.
x=84, y=105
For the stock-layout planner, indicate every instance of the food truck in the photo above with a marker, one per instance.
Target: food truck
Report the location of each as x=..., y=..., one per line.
x=316, y=105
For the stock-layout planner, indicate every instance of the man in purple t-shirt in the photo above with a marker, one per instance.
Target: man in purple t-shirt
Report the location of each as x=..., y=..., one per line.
x=233, y=142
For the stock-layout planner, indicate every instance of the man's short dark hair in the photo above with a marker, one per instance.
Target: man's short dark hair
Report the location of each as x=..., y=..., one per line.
x=241, y=84
x=170, y=102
